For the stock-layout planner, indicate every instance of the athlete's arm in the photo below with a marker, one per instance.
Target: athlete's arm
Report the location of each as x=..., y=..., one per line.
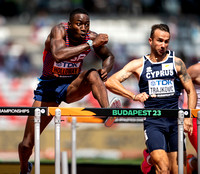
x=99, y=41
x=194, y=72
x=114, y=83
x=57, y=45
x=186, y=82
x=190, y=90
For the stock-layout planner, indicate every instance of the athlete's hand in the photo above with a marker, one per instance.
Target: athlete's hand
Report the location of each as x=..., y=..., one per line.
x=188, y=125
x=100, y=40
x=141, y=97
x=103, y=74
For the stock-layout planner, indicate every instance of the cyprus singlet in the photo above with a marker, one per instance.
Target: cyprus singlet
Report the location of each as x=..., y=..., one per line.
x=160, y=79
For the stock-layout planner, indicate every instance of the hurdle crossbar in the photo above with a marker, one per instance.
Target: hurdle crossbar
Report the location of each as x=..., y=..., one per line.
x=117, y=112
x=22, y=111
x=96, y=112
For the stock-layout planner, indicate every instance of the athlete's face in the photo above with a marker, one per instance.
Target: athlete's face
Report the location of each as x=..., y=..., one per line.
x=79, y=26
x=159, y=42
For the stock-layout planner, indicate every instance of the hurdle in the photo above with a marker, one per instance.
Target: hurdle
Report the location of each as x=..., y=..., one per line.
x=97, y=112
x=29, y=111
x=121, y=112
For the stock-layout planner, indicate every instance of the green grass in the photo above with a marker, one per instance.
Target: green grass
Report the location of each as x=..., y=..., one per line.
x=102, y=161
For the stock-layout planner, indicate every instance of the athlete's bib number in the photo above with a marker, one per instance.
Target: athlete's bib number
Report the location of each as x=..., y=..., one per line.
x=66, y=68
x=161, y=87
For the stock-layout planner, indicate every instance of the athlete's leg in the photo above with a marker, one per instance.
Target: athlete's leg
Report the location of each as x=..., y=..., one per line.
x=85, y=83
x=160, y=161
x=25, y=147
x=173, y=159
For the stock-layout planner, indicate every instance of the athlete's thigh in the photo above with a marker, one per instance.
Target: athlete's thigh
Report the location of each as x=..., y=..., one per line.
x=155, y=138
x=78, y=88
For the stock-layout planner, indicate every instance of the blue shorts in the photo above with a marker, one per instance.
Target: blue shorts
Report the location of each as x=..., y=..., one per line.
x=52, y=90
x=161, y=133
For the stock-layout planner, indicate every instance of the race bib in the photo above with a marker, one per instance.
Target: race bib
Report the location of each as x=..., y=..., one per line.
x=66, y=68
x=161, y=87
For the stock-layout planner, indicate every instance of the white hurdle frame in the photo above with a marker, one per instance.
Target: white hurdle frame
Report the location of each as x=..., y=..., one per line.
x=57, y=120
x=180, y=142
x=73, y=164
x=37, y=119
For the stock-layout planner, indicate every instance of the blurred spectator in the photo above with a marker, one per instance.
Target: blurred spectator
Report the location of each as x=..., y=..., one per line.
x=4, y=31
x=14, y=60
x=40, y=27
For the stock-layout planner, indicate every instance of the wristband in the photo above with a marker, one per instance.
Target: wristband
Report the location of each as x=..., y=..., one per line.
x=90, y=43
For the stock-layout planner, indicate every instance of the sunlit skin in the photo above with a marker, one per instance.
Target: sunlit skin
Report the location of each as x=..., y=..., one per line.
x=159, y=44
x=164, y=163
x=78, y=28
x=87, y=81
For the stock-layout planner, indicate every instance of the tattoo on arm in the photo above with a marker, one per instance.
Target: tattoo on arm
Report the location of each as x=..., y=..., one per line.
x=182, y=71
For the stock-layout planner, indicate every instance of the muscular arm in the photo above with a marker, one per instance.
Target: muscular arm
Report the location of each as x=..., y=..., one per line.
x=115, y=86
x=103, y=53
x=114, y=82
x=107, y=58
x=57, y=45
x=190, y=90
x=187, y=83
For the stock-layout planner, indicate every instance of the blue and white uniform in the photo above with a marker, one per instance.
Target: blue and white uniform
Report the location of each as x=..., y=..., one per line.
x=161, y=79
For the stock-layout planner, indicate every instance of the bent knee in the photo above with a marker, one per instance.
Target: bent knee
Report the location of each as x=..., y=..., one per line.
x=92, y=75
x=162, y=165
x=24, y=147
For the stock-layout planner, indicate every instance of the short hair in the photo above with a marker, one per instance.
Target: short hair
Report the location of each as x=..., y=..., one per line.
x=163, y=27
x=77, y=11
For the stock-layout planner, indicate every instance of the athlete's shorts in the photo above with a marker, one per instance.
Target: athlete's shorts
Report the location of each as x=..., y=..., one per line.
x=161, y=133
x=52, y=90
x=193, y=137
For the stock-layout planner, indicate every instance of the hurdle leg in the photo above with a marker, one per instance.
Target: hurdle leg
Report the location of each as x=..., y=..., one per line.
x=57, y=120
x=37, y=119
x=198, y=141
x=180, y=141
x=73, y=145
x=64, y=163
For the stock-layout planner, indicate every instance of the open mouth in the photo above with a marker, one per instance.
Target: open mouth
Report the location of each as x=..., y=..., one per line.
x=83, y=34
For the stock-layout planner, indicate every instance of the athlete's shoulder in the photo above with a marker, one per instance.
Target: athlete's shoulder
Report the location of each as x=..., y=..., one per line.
x=58, y=29
x=134, y=64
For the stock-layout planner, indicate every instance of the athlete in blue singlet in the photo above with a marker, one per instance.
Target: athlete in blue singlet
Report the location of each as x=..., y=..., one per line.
x=161, y=78
x=66, y=47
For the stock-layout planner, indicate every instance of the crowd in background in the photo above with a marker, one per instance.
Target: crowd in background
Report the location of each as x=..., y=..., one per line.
x=40, y=15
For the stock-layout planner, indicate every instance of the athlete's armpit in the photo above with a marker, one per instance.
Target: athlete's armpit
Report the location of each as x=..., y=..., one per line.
x=182, y=71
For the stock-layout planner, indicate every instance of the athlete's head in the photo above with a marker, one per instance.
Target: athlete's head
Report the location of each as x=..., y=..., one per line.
x=162, y=27
x=79, y=24
x=159, y=39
